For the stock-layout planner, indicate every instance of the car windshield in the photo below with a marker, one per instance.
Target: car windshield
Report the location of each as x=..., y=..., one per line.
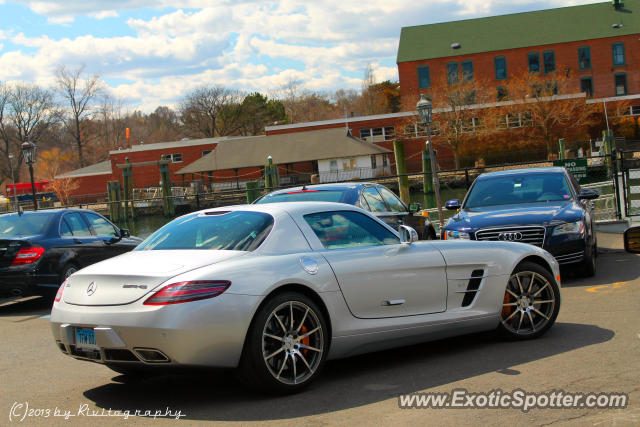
x=27, y=224
x=521, y=188
x=304, y=196
x=221, y=230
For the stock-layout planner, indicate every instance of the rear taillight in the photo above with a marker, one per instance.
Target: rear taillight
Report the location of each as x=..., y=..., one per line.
x=188, y=291
x=60, y=291
x=28, y=255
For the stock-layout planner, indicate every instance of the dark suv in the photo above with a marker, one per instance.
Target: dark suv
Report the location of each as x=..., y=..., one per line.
x=375, y=198
x=542, y=206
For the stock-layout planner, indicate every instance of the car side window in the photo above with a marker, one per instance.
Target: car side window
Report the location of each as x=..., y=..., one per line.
x=349, y=229
x=101, y=226
x=393, y=202
x=78, y=226
x=374, y=199
x=65, y=230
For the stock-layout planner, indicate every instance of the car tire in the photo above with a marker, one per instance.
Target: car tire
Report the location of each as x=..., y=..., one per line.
x=531, y=303
x=282, y=355
x=588, y=267
x=429, y=234
x=68, y=270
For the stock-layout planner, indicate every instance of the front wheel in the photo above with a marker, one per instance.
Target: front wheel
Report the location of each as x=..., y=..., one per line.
x=531, y=302
x=286, y=346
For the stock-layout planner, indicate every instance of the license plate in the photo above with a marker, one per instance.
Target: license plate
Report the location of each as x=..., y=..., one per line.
x=85, y=339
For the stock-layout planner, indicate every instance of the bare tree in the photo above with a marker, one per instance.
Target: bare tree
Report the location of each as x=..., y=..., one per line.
x=80, y=93
x=27, y=112
x=212, y=111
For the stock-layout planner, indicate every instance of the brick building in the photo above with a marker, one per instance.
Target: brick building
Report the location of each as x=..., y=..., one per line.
x=597, y=45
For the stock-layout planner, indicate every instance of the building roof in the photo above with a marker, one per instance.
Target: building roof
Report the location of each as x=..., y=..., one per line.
x=171, y=144
x=283, y=148
x=518, y=30
x=341, y=121
x=102, y=168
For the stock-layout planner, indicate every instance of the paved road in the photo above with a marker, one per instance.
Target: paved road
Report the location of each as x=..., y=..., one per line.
x=594, y=347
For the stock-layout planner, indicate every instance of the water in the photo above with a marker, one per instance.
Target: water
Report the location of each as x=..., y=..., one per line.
x=144, y=226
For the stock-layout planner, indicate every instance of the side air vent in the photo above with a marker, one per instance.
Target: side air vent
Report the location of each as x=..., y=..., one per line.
x=472, y=287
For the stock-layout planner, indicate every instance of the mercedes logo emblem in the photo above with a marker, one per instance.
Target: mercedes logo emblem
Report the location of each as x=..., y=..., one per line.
x=510, y=236
x=91, y=289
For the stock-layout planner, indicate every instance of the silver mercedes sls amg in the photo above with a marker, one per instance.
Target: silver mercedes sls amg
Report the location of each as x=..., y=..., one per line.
x=276, y=290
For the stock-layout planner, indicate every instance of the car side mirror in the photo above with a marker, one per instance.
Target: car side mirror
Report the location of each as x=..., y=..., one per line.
x=414, y=207
x=124, y=233
x=407, y=235
x=632, y=240
x=452, y=205
x=588, y=194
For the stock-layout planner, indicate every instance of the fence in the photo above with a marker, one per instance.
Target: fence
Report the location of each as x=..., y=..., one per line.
x=454, y=184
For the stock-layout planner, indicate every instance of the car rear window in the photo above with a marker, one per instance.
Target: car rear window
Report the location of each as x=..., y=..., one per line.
x=27, y=224
x=230, y=230
x=514, y=189
x=304, y=196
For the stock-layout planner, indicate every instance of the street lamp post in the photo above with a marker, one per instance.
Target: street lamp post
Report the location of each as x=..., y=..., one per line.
x=425, y=111
x=29, y=153
x=13, y=178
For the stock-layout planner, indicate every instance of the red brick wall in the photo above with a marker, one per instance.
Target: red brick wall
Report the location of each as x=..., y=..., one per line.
x=566, y=56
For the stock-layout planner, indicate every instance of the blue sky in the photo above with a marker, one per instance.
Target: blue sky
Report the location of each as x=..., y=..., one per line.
x=152, y=52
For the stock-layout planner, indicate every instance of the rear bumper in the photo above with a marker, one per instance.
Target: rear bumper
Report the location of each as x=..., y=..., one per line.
x=208, y=333
x=28, y=283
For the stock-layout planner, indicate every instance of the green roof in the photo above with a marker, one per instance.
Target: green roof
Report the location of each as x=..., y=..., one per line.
x=518, y=30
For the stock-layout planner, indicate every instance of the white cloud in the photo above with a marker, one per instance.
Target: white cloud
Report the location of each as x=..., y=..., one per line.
x=104, y=14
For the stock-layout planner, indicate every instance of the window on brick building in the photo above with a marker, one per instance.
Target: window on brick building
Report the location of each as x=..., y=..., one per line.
x=205, y=152
x=418, y=130
x=586, y=86
x=502, y=93
x=452, y=73
x=175, y=158
x=534, y=62
x=549, y=61
x=584, y=58
x=387, y=133
x=424, y=78
x=500, y=63
x=620, y=81
x=467, y=71
x=618, y=54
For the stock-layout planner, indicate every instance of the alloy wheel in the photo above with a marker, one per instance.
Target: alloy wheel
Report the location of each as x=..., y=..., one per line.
x=292, y=342
x=529, y=303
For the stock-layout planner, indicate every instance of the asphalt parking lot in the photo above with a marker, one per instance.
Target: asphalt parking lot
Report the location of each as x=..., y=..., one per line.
x=594, y=347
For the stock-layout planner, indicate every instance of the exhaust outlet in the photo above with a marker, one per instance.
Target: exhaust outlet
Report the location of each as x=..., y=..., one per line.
x=151, y=355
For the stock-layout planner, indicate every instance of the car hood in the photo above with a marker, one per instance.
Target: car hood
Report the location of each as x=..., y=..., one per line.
x=129, y=277
x=546, y=214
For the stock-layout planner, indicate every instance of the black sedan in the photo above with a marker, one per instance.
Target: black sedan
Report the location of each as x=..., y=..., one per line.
x=542, y=206
x=38, y=250
x=375, y=198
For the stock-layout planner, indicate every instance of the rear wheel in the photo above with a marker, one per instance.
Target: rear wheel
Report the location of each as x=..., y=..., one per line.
x=286, y=346
x=531, y=302
x=68, y=270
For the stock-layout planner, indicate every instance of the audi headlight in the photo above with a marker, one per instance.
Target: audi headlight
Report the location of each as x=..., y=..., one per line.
x=569, y=228
x=455, y=234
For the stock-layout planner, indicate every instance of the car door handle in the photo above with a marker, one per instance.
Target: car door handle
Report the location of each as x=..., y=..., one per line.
x=390, y=302
x=77, y=241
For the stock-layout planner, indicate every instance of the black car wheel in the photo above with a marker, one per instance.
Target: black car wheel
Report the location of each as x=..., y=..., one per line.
x=588, y=266
x=531, y=303
x=68, y=270
x=286, y=346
